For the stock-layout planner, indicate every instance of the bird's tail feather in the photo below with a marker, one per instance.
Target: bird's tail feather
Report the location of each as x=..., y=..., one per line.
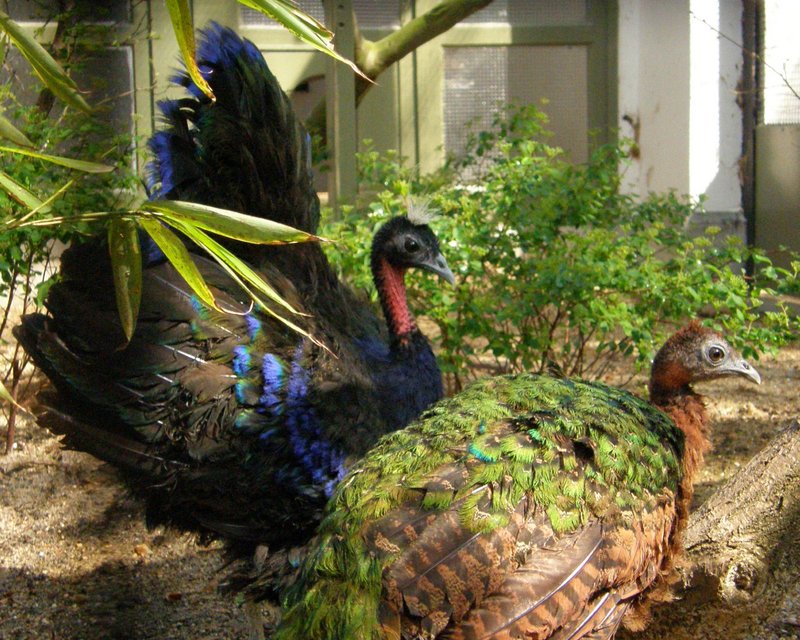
x=246, y=150
x=107, y=443
x=117, y=445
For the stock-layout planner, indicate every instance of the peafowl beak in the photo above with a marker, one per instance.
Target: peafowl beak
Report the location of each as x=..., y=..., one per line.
x=438, y=265
x=741, y=367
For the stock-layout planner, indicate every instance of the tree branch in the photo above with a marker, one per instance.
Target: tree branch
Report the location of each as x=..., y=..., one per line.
x=730, y=544
x=743, y=558
x=373, y=58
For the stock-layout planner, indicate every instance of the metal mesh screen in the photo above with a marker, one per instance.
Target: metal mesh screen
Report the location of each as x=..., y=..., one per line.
x=559, y=76
x=781, y=70
x=478, y=79
x=377, y=14
x=253, y=18
x=371, y=14
x=540, y=13
x=475, y=80
x=106, y=78
x=108, y=75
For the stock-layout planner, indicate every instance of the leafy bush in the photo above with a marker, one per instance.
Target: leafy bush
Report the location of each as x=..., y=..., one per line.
x=26, y=252
x=74, y=135
x=556, y=264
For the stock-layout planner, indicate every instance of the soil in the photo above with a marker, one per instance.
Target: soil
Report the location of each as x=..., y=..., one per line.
x=78, y=562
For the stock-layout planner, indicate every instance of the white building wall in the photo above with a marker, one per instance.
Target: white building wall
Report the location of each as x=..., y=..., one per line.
x=677, y=98
x=715, y=117
x=654, y=92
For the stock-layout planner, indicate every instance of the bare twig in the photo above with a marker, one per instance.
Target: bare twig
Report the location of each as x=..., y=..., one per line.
x=10, y=301
x=753, y=54
x=11, y=426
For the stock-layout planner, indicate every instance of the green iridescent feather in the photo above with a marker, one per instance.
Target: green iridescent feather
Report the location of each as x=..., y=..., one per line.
x=573, y=448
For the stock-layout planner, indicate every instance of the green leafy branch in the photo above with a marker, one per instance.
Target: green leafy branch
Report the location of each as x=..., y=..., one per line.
x=44, y=65
x=284, y=12
x=193, y=220
x=557, y=265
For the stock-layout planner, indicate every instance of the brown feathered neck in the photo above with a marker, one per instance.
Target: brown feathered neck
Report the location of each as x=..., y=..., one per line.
x=671, y=391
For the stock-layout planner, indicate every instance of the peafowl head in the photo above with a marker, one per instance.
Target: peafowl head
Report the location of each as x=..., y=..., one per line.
x=693, y=354
x=402, y=244
x=399, y=245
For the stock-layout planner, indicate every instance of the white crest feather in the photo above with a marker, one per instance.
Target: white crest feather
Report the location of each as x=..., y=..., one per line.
x=420, y=210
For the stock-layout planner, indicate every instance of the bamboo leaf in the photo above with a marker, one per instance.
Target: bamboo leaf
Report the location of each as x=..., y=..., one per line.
x=230, y=224
x=10, y=132
x=44, y=65
x=302, y=25
x=45, y=207
x=179, y=256
x=70, y=163
x=55, y=220
x=41, y=207
x=18, y=192
x=181, y=17
x=239, y=272
x=5, y=394
x=242, y=270
x=126, y=265
x=290, y=16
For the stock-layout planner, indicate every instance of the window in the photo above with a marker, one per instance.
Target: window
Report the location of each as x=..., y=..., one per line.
x=478, y=79
x=780, y=69
x=537, y=13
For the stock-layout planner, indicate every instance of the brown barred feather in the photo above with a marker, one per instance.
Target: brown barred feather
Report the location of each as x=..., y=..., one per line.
x=448, y=569
x=601, y=620
x=522, y=580
x=471, y=551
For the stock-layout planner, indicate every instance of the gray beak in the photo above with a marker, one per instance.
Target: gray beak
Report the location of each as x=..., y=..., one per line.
x=438, y=265
x=744, y=369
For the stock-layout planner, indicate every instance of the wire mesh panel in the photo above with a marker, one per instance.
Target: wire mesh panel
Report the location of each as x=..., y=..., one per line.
x=781, y=70
x=555, y=78
x=540, y=13
x=479, y=79
x=371, y=14
x=377, y=14
x=476, y=83
x=108, y=76
x=253, y=18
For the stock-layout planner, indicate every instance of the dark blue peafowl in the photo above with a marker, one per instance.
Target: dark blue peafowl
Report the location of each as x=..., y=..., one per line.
x=247, y=152
x=232, y=422
x=525, y=507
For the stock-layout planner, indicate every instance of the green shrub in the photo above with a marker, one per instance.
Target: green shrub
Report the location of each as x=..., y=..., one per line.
x=555, y=264
x=73, y=135
x=26, y=252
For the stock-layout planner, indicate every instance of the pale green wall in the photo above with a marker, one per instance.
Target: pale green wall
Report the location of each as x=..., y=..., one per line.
x=405, y=110
x=778, y=190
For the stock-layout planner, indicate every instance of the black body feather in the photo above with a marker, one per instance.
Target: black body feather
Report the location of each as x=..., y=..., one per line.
x=232, y=422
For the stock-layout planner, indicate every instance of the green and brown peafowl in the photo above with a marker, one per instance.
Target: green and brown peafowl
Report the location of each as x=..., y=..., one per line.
x=232, y=422
x=527, y=506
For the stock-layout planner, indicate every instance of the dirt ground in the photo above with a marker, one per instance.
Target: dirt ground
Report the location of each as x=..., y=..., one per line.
x=78, y=562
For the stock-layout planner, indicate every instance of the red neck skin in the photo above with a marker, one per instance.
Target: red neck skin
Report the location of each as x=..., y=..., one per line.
x=392, y=292
x=670, y=392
